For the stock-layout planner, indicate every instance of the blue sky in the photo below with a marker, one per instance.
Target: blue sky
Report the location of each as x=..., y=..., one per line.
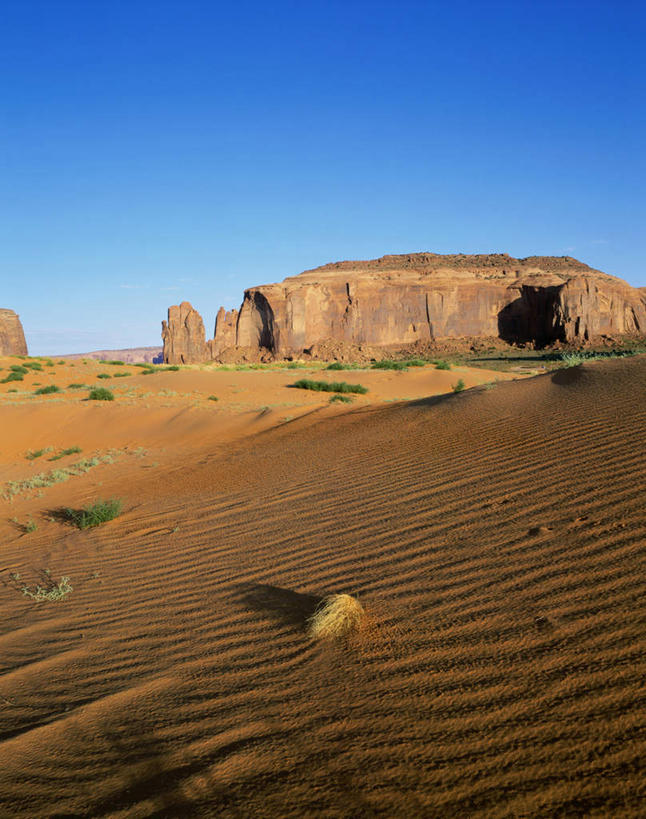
x=152, y=152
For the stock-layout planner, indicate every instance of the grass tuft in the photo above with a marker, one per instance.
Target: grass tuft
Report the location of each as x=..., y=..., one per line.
x=459, y=386
x=95, y=514
x=345, y=399
x=336, y=616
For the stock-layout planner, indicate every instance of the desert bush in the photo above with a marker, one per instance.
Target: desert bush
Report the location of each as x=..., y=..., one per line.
x=100, y=394
x=114, y=363
x=33, y=365
x=18, y=368
x=121, y=375
x=103, y=375
x=329, y=386
x=415, y=362
x=459, y=386
x=442, y=365
x=47, y=390
x=94, y=514
x=345, y=399
x=336, y=616
x=75, y=386
x=212, y=398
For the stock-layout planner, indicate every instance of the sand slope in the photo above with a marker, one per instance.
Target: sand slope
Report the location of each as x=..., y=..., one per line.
x=496, y=539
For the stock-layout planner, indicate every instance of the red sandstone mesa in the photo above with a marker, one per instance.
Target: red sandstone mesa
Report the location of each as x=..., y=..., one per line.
x=419, y=297
x=12, y=337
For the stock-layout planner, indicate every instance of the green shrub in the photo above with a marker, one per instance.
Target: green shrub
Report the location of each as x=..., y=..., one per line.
x=18, y=368
x=345, y=399
x=33, y=365
x=47, y=390
x=75, y=386
x=115, y=363
x=442, y=365
x=459, y=386
x=12, y=376
x=212, y=398
x=327, y=386
x=104, y=375
x=415, y=362
x=121, y=375
x=94, y=514
x=100, y=394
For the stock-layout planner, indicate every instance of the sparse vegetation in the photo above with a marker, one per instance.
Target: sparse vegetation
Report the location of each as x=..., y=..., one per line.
x=33, y=365
x=45, y=479
x=336, y=616
x=212, y=398
x=50, y=592
x=52, y=388
x=103, y=375
x=329, y=386
x=76, y=386
x=18, y=368
x=442, y=365
x=121, y=375
x=100, y=394
x=459, y=386
x=345, y=399
x=115, y=363
x=95, y=514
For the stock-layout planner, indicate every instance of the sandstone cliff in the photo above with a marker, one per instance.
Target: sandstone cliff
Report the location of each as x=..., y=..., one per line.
x=12, y=336
x=424, y=297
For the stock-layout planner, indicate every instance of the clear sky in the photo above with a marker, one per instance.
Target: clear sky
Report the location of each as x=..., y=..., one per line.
x=152, y=152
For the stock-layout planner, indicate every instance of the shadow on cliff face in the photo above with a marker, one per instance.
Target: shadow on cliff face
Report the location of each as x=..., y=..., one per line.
x=532, y=318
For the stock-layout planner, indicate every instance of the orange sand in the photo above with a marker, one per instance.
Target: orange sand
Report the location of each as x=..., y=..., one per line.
x=495, y=539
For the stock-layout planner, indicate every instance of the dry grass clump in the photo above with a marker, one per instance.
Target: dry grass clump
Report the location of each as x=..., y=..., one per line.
x=336, y=616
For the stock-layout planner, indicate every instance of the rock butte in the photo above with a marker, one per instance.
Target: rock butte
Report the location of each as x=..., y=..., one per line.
x=12, y=336
x=416, y=298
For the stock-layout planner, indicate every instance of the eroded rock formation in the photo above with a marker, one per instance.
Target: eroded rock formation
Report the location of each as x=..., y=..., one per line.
x=12, y=336
x=426, y=297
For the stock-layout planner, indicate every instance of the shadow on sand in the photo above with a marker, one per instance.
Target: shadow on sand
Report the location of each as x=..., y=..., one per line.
x=285, y=605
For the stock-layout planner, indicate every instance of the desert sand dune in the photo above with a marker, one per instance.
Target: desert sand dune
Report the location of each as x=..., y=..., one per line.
x=495, y=539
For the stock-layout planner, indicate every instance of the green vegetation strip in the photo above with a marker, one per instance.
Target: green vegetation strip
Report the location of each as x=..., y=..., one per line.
x=327, y=386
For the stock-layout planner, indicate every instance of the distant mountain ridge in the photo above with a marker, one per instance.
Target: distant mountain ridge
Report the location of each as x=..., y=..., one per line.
x=132, y=355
